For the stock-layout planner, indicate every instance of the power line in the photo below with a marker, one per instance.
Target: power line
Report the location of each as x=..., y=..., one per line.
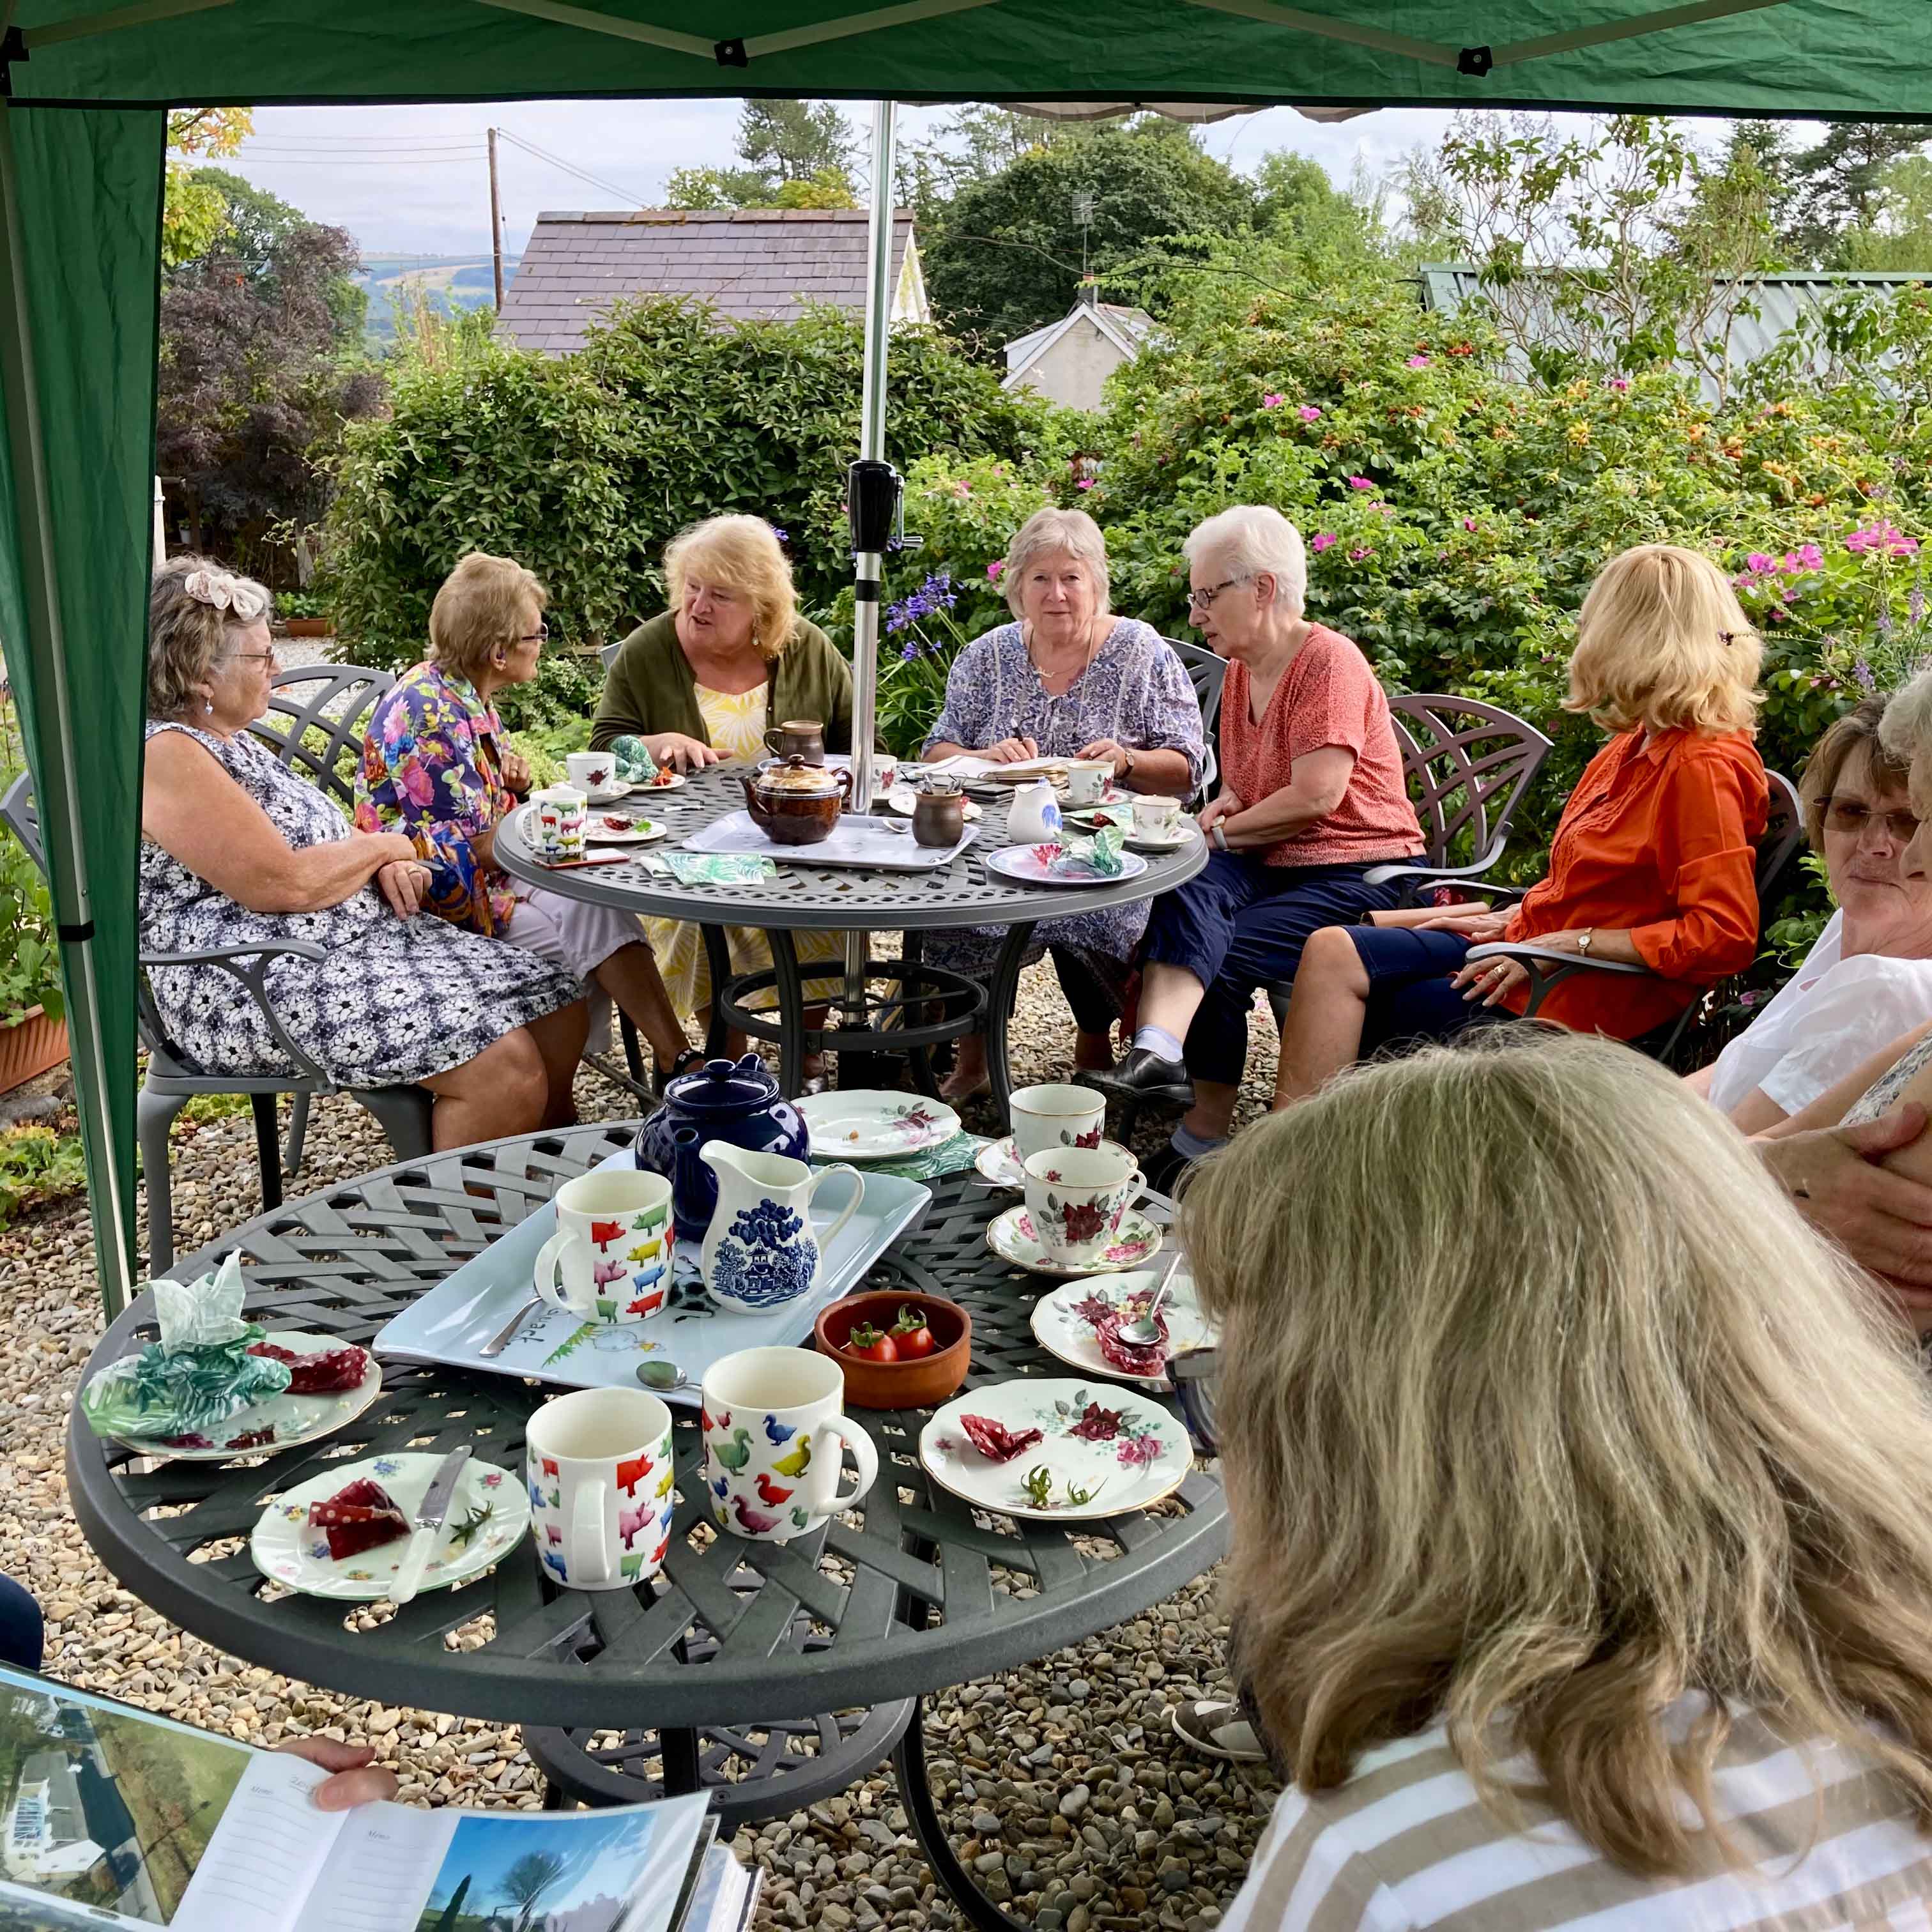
x=571, y=168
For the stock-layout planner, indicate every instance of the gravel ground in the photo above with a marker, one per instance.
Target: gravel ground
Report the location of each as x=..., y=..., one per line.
x=1063, y=1787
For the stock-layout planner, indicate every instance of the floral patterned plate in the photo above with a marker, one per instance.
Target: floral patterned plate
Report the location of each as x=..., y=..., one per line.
x=603, y=829
x=1011, y=1237
x=1033, y=865
x=295, y=1419
x=871, y=1124
x=1113, y=1448
x=666, y=780
x=1062, y=1330
x=999, y=1162
x=488, y=1517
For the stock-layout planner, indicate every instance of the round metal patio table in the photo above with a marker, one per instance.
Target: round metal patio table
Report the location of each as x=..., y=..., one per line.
x=929, y=1594
x=835, y=899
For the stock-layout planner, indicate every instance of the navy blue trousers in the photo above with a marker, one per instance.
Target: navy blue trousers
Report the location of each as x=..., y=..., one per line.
x=21, y=1628
x=1411, y=999
x=1240, y=924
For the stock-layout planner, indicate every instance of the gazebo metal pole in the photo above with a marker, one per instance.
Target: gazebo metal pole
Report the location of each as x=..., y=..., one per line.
x=868, y=565
x=58, y=776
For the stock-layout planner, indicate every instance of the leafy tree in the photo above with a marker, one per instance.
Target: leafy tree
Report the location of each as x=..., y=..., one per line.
x=528, y=1879
x=1840, y=187
x=1007, y=253
x=796, y=154
x=259, y=224
x=194, y=212
x=1296, y=202
x=717, y=187
x=256, y=377
x=1899, y=237
x=973, y=144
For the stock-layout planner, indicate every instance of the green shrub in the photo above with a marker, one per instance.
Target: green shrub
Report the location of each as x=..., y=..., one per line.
x=37, y=1166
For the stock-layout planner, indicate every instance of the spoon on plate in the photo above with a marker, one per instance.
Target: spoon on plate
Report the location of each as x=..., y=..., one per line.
x=661, y=1378
x=1144, y=1334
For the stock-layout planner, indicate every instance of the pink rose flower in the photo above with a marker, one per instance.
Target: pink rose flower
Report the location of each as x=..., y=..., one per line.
x=1361, y=550
x=1321, y=540
x=1620, y=383
x=1308, y=412
x=1757, y=563
x=1468, y=522
x=1360, y=483
x=994, y=569
x=1272, y=400
x=1810, y=557
x=1418, y=362
x=1084, y=483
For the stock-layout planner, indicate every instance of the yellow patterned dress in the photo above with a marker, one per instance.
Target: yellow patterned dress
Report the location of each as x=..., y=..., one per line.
x=734, y=722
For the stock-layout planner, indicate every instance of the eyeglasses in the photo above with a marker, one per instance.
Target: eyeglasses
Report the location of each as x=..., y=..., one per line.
x=1851, y=817
x=536, y=637
x=1203, y=600
x=252, y=657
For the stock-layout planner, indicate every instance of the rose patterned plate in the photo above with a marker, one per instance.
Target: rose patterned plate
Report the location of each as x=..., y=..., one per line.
x=1030, y=864
x=999, y=1162
x=488, y=1517
x=1011, y=1237
x=600, y=829
x=1062, y=1330
x=295, y=1419
x=666, y=780
x=872, y=1125
x=1120, y=1449
x=903, y=800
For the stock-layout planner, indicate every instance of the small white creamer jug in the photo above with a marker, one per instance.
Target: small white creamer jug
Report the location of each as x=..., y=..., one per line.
x=1034, y=817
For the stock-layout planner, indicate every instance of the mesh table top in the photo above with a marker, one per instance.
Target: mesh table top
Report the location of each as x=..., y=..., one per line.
x=827, y=898
x=915, y=1592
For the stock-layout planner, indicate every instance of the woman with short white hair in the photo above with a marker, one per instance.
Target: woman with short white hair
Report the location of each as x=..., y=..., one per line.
x=1067, y=678
x=1311, y=798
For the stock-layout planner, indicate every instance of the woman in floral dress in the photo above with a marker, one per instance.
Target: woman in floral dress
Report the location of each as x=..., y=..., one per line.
x=235, y=848
x=1069, y=679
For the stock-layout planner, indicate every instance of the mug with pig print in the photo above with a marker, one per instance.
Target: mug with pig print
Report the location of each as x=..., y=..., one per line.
x=610, y=1258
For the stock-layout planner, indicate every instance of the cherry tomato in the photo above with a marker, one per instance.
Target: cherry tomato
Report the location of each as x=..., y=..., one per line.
x=912, y=1334
x=872, y=1345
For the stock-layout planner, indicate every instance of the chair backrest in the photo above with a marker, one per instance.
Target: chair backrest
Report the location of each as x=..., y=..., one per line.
x=22, y=816
x=1207, y=673
x=1467, y=765
x=315, y=722
x=608, y=653
x=1783, y=827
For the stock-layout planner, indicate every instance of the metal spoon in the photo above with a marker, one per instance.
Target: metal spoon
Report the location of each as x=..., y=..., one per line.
x=501, y=1340
x=1143, y=1333
x=664, y=1377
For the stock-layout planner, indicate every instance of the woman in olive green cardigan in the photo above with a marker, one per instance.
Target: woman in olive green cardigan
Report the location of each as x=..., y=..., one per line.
x=700, y=683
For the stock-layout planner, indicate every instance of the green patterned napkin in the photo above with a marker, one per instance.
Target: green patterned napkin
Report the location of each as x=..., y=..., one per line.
x=1098, y=857
x=949, y=1157
x=711, y=868
x=635, y=765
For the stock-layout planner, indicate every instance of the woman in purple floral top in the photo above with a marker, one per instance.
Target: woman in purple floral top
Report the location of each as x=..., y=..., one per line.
x=1068, y=678
x=435, y=765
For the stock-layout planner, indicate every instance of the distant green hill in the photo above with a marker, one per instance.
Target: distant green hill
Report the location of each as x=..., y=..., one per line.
x=452, y=282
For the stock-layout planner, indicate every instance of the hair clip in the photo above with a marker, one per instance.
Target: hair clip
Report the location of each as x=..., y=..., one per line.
x=224, y=593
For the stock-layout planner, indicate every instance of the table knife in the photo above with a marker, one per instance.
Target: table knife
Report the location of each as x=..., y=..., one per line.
x=435, y=1506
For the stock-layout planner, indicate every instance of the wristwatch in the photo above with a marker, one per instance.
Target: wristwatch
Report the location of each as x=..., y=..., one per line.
x=1583, y=943
x=1220, y=837
x=1127, y=769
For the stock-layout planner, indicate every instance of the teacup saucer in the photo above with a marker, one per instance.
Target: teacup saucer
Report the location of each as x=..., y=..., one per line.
x=1172, y=841
x=1011, y=1237
x=999, y=1162
x=616, y=789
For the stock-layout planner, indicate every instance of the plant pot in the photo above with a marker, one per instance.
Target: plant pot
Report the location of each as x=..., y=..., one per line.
x=309, y=627
x=29, y=1047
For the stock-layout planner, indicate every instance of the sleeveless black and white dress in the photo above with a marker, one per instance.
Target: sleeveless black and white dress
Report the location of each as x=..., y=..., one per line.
x=391, y=1001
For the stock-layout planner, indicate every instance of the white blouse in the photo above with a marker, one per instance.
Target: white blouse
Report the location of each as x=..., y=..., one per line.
x=1832, y=1014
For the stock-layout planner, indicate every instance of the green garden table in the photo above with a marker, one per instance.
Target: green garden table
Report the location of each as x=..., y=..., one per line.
x=769, y=1674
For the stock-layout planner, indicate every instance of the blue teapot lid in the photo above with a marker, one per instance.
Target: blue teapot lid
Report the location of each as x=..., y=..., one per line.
x=723, y=1088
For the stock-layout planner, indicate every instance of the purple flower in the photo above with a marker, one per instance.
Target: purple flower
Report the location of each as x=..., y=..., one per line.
x=1758, y=564
x=1914, y=606
x=1308, y=412
x=1321, y=540
x=1810, y=557
x=781, y=532
x=1468, y=522
x=1360, y=483
x=1620, y=383
x=1361, y=550
x=1861, y=674
x=1272, y=400
x=994, y=569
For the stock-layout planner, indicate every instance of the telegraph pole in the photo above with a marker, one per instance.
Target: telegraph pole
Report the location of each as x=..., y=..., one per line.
x=496, y=224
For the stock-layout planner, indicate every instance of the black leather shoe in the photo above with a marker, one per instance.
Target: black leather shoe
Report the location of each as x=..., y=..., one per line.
x=1141, y=1074
x=1163, y=1168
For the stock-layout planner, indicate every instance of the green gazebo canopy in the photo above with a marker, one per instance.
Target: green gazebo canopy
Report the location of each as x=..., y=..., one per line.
x=82, y=134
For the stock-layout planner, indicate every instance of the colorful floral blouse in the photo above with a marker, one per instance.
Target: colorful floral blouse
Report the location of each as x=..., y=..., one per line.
x=432, y=767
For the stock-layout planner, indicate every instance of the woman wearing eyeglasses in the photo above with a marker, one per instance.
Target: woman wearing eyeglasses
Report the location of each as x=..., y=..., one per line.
x=1067, y=678
x=1868, y=979
x=437, y=766
x=1311, y=799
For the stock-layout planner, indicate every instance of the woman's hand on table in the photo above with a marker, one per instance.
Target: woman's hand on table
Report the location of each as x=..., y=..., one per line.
x=1115, y=753
x=355, y=1777
x=1489, y=980
x=1011, y=750
x=404, y=883
x=682, y=754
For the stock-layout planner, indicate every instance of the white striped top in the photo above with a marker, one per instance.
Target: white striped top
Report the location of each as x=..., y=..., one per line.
x=1829, y=1842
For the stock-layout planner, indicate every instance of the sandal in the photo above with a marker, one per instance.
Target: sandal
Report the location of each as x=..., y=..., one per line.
x=662, y=1076
x=1218, y=1727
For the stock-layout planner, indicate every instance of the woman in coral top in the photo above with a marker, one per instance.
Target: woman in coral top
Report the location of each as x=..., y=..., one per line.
x=1652, y=864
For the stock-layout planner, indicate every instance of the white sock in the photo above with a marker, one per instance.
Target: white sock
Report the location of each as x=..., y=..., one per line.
x=1158, y=1040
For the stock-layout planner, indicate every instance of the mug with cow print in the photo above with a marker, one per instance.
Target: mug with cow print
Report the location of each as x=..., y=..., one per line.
x=610, y=1258
x=598, y=1465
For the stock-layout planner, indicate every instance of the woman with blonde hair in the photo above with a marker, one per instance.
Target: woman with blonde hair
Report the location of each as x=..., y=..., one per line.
x=437, y=766
x=702, y=682
x=1581, y=1568
x=1653, y=863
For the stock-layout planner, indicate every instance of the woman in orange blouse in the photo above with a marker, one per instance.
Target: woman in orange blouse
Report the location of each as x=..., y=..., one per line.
x=1651, y=866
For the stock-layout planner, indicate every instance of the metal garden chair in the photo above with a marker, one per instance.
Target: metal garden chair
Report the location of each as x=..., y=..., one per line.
x=321, y=732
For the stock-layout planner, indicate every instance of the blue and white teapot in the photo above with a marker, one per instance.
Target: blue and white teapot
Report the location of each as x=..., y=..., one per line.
x=761, y=1251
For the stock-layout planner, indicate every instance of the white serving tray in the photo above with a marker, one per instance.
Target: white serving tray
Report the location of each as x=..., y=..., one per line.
x=451, y=1322
x=855, y=841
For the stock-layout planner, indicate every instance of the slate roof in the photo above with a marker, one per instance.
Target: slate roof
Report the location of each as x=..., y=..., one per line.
x=750, y=264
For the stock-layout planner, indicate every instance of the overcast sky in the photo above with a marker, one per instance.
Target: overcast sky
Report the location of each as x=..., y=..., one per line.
x=413, y=180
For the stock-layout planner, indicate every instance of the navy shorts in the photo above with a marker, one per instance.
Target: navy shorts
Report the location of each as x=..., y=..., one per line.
x=1410, y=998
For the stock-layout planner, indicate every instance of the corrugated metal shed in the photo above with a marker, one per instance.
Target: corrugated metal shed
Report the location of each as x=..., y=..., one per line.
x=1767, y=308
x=749, y=264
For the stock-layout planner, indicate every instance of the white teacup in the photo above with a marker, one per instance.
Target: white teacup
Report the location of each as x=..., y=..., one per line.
x=774, y=1419
x=598, y=1465
x=612, y=1247
x=560, y=811
x=1075, y=1197
x=1087, y=780
x=1157, y=818
x=1057, y=1116
x=593, y=773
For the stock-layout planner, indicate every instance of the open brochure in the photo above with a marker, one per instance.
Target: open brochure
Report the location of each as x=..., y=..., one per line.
x=109, y=1816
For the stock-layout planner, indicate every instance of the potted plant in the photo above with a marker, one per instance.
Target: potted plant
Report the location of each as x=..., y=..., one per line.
x=33, y=1026
x=303, y=615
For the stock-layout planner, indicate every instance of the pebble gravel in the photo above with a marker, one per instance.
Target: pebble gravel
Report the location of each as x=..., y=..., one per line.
x=1064, y=1789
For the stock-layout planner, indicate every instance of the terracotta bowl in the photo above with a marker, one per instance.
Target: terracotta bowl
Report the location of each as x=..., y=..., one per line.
x=917, y=1384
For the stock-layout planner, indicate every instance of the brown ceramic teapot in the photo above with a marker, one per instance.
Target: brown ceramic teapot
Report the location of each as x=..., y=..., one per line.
x=793, y=803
